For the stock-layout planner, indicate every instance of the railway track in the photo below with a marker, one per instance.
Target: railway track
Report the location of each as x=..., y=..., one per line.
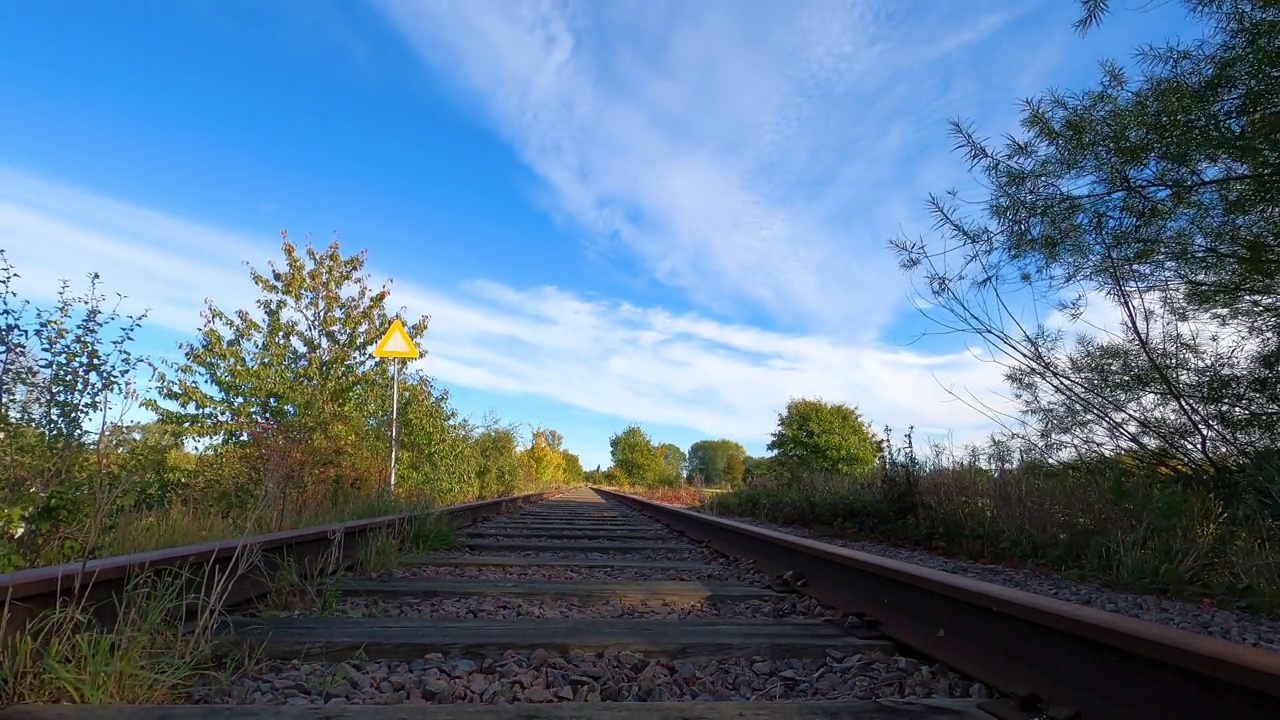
x=594, y=604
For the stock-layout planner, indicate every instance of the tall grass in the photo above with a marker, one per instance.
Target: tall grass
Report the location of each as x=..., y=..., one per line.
x=1132, y=528
x=191, y=521
x=160, y=643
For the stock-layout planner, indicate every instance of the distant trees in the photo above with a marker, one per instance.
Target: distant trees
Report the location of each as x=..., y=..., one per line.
x=674, y=462
x=710, y=460
x=547, y=462
x=638, y=461
x=815, y=436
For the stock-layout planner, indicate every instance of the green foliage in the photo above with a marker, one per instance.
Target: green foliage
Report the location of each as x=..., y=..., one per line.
x=1157, y=192
x=757, y=467
x=638, y=461
x=295, y=379
x=290, y=412
x=709, y=458
x=674, y=462
x=734, y=471
x=572, y=468
x=1093, y=518
x=66, y=372
x=497, y=460
x=815, y=436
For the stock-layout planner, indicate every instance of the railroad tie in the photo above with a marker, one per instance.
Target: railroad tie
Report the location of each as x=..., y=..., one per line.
x=573, y=602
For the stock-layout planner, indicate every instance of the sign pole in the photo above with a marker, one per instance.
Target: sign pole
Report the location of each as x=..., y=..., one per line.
x=395, y=405
x=395, y=345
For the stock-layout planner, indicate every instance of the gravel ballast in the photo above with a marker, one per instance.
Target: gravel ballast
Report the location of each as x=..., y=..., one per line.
x=542, y=677
x=500, y=607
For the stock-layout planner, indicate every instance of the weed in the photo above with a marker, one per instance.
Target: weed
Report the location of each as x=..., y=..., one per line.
x=160, y=642
x=431, y=533
x=1092, y=521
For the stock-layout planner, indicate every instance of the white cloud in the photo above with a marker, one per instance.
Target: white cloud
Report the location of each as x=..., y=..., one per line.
x=637, y=363
x=742, y=151
x=53, y=232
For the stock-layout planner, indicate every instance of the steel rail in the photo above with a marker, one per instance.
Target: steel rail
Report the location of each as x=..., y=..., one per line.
x=1056, y=659
x=26, y=593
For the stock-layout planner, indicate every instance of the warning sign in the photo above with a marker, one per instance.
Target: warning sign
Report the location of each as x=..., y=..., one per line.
x=396, y=343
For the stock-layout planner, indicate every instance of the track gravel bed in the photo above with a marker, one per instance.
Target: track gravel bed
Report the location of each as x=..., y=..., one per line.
x=552, y=572
x=540, y=676
x=500, y=607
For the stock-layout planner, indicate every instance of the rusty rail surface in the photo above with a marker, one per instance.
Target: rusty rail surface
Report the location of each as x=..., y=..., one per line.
x=1056, y=659
x=25, y=593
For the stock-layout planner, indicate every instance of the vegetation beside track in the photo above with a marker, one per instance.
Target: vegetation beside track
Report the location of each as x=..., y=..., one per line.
x=1090, y=521
x=1093, y=521
x=274, y=418
x=161, y=642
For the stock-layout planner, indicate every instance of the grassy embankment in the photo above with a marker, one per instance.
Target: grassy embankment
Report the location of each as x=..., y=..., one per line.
x=161, y=641
x=1101, y=522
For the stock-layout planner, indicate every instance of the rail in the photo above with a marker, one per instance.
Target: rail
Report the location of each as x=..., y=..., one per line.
x=26, y=593
x=1054, y=657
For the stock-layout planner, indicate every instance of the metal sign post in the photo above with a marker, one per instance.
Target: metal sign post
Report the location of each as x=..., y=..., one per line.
x=395, y=406
x=395, y=344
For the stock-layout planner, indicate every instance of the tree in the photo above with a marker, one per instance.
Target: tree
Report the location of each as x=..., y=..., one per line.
x=572, y=467
x=734, y=470
x=673, y=463
x=497, y=461
x=636, y=458
x=437, y=451
x=814, y=436
x=66, y=377
x=296, y=379
x=1160, y=196
x=708, y=457
x=544, y=458
x=756, y=467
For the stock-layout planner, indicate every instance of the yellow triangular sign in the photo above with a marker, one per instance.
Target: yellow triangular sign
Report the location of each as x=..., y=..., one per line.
x=396, y=343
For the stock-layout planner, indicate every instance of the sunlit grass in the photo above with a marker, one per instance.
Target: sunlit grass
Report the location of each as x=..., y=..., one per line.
x=1154, y=536
x=160, y=643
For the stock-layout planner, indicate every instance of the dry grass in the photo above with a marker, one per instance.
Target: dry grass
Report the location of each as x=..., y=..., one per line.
x=189, y=523
x=680, y=497
x=1142, y=533
x=160, y=643
x=161, y=640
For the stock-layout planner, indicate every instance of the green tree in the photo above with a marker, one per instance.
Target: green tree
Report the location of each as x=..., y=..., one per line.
x=66, y=376
x=635, y=458
x=295, y=379
x=438, y=455
x=572, y=467
x=708, y=457
x=756, y=467
x=673, y=463
x=815, y=436
x=1156, y=192
x=734, y=470
x=497, y=460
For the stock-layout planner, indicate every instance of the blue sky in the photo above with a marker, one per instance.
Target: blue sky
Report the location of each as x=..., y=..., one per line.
x=668, y=213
